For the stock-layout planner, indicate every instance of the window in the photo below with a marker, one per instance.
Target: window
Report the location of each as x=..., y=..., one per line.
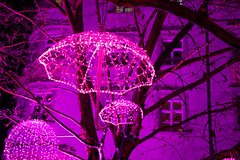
x=238, y=114
x=235, y=53
x=171, y=113
x=176, y=55
x=46, y=4
x=179, y=1
x=235, y=76
x=120, y=9
x=38, y=112
x=59, y=2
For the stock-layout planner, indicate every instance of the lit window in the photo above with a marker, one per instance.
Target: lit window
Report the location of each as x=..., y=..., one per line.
x=121, y=9
x=176, y=55
x=59, y=2
x=179, y=1
x=171, y=113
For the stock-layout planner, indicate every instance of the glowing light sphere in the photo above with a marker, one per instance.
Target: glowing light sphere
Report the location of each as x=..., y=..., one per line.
x=120, y=112
x=112, y=63
x=31, y=140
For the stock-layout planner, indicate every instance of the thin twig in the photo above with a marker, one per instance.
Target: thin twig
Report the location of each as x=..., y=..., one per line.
x=1, y=4
x=185, y=121
x=57, y=120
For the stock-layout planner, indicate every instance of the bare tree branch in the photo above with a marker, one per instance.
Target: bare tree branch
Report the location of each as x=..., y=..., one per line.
x=98, y=16
x=161, y=59
x=199, y=18
x=186, y=121
x=63, y=151
x=232, y=152
x=69, y=14
x=57, y=120
x=28, y=20
x=192, y=85
x=155, y=32
x=141, y=41
x=136, y=23
x=58, y=6
x=196, y=59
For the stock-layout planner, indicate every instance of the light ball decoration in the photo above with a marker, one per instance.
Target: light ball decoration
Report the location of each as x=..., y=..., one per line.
x=120, y=112
x=112, y=63
x=31, y=140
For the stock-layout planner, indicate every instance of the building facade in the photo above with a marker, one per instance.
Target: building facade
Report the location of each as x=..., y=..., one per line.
x=188, y=142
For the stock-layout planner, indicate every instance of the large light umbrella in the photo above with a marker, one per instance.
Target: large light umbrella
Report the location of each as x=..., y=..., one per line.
x=111, y=63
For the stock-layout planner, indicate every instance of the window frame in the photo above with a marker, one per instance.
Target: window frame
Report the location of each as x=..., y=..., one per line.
x=172, y=59
x=235, y=76
x=171, y=112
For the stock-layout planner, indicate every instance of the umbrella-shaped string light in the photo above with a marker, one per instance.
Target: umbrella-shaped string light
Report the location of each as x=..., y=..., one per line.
x=115, y=54
x=121, y=112
x=112, y=64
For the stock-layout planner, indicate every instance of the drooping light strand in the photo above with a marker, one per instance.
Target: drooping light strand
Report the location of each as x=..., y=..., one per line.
x=80, y=53
x=33, y=140
x=121, y=112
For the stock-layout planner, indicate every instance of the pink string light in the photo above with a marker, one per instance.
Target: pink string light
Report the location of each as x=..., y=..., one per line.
x=32, y=139
x=124, y=66
x=121, y=112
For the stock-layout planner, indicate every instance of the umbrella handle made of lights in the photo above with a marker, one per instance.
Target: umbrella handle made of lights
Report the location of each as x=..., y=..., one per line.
x=99, y=76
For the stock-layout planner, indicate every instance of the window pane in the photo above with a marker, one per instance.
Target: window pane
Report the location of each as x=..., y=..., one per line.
x=235, y=53
x=119, y=9
x=177, y=117
x=177, y=54
x=166, y=106
x=165, y=124
x=128, y=9
x=165, y=117
x=177, y=106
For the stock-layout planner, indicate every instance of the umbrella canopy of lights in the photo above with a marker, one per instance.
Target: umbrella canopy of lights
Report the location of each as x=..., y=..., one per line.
x=112, y=63
x=31, y=140
x=120, y=112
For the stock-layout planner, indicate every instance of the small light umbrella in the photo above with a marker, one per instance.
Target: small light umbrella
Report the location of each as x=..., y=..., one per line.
x=120, y=112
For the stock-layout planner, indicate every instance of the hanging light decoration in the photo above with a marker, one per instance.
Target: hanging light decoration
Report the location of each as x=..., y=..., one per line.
x=120, y=112
x=112, y=63
x=31, y=140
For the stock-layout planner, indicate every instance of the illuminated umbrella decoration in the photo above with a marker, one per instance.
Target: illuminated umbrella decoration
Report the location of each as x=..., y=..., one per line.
x=112, y=63
x=120, y=112
x=32, y=139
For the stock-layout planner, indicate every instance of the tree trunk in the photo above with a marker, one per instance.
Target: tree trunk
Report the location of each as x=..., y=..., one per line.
x=75, y=18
